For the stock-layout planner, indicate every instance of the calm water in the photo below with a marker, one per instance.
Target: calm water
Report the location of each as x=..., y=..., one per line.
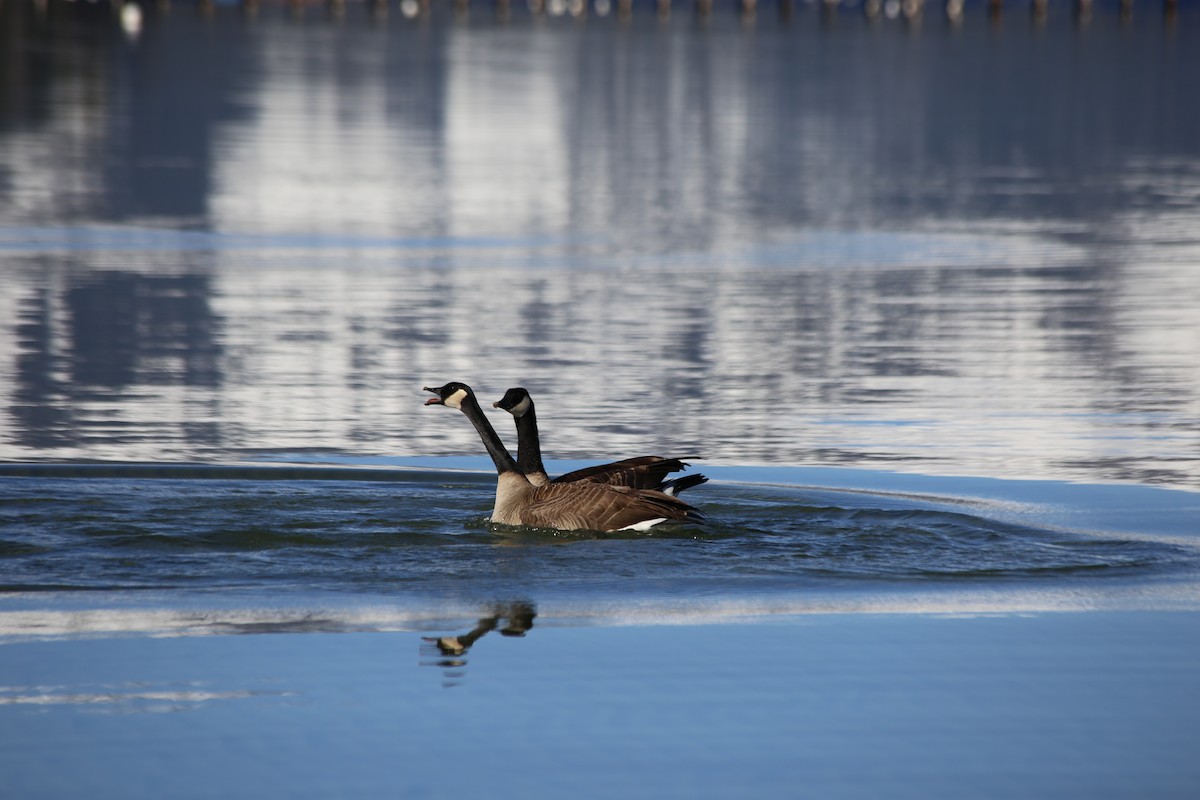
x=924, y=296
x=942, y=250
x=956, y=250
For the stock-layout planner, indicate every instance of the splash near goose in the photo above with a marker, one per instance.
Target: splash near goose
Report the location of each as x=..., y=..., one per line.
x=640, y=472
x=573, y=505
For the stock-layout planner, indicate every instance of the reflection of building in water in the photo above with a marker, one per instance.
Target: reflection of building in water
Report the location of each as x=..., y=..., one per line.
x=89, y=144
x=446, y=138
x=787, y=246
x=86, y=346
x=504, y=145
x=449, y=652
x=129, y=329
x=344, y=137
x=49, y=168
x=36, y=404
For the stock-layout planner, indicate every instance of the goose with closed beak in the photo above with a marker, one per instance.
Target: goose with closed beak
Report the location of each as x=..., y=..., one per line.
x=640, y=472
x=578, y=505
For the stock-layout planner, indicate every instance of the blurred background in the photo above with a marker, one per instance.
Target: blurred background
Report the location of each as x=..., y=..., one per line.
x=942, y=238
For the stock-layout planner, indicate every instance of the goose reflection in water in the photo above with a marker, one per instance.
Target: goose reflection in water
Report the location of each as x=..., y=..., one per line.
x=511, y=619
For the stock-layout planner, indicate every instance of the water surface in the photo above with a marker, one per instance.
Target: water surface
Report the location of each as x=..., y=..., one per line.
x=922, y=294
x=954, y=249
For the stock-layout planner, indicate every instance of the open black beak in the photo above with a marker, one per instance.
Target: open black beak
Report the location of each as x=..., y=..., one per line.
x=433, y=401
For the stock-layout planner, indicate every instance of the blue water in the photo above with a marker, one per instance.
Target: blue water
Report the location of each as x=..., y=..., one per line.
x=920, y=294
x=845, y=707
x=936, y=344
x=193, y=549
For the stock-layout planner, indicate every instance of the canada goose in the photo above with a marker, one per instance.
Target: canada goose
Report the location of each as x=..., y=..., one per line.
x=641, y=472
x=581, y=505
x=519, y=616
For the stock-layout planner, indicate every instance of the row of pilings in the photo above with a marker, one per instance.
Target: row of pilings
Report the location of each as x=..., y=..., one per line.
x=870, y=8
x=908, y=9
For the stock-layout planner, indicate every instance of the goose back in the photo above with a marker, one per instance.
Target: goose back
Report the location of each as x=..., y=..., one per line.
x=640, y=472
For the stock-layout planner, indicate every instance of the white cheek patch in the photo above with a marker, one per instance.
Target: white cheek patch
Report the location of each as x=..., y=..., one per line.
x=455, y=400
x=520, y=408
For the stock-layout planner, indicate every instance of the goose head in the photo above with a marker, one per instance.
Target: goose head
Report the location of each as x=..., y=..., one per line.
x=515, y=401
x=452, y=395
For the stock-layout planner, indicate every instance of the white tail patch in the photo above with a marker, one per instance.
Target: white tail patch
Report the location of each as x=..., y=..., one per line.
x=644, y=525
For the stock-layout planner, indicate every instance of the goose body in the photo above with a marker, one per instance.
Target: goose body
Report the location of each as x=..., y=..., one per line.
x=575, y=505
x=640, y=472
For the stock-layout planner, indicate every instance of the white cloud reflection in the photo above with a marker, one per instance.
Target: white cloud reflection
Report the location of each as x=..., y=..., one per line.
x=717, y=240
x=119, y=698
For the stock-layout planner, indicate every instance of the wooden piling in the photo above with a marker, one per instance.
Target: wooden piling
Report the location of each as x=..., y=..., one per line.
x=378, y=10
x=1038, y=9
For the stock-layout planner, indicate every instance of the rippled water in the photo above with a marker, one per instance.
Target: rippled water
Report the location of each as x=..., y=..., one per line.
x=214, y=549
x=337, y=536
x=956, y=249
x=961, y=249
x=924, y=294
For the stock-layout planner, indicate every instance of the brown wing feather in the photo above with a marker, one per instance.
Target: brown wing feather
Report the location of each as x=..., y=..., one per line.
x=600, y=507
x=640, y=472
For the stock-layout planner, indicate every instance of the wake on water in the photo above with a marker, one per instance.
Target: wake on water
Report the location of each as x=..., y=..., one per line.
x=198, y=549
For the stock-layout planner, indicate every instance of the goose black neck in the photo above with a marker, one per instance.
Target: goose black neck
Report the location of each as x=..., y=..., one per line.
x=529, y=448
x=500, y=457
